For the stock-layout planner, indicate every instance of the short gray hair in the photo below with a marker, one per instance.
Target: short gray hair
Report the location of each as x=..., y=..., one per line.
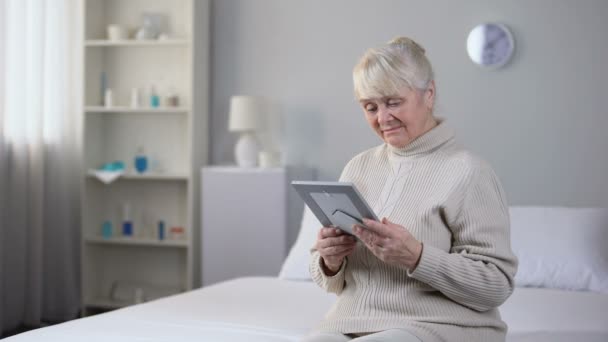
x=385, y=70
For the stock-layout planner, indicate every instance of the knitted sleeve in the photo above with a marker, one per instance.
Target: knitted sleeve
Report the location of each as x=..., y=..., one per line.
x=478, y=271
x=334, y=283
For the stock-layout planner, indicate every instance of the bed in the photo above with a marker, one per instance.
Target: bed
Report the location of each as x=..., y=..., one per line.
x=272, y=309
x=555, y=306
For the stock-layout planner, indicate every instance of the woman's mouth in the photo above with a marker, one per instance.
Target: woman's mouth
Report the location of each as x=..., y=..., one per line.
x=390, y=130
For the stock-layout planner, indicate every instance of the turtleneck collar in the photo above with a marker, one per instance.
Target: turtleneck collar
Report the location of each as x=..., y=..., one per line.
x=425, y=143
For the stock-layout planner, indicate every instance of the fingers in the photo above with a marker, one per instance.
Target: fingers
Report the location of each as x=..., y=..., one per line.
x=338, y=251
x=336, y=241
x=334, y=245
x=370, y=238
x=343, y=255
x=326, y=232
x=335, y=235
x=389, y=223
x=384, y=228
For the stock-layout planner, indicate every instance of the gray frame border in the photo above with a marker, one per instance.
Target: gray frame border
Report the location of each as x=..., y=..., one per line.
x=305, y=188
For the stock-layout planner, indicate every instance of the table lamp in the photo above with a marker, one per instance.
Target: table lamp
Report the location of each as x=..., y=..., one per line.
x=245, y=118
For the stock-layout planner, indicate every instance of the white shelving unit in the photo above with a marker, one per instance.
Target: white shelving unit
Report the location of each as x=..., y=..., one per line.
x=173, y=138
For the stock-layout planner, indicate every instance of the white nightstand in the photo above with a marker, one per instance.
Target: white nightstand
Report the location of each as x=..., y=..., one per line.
x=250, y=217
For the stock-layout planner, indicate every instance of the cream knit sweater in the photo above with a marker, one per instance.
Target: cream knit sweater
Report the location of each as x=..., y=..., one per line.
x=451, y=201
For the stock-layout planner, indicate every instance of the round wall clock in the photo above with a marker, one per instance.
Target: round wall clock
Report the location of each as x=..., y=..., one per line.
x=490, y=45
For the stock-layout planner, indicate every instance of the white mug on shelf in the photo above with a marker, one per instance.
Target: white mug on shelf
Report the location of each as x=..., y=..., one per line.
x=267, y=159
x=108, y=98
x=116, y=32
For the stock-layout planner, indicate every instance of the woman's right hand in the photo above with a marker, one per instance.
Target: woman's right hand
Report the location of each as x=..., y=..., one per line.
x=334, y=245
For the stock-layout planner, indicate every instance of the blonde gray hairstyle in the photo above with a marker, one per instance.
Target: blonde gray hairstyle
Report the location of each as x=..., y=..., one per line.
x=385, y=70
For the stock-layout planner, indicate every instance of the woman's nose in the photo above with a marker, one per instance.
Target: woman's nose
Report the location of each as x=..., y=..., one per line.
x=384, y=115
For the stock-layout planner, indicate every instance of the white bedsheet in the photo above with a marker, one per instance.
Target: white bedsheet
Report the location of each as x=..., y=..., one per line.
x=539, y=315
x=269, y=309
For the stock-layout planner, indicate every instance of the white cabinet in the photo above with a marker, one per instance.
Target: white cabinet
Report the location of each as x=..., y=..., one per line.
x=120, y=270
x=250, y=217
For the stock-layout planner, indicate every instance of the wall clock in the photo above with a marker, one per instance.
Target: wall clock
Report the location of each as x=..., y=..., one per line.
x=490, y=45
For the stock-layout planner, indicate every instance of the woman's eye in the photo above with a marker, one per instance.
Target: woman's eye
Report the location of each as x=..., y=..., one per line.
x=370, y=109
x=394, y=103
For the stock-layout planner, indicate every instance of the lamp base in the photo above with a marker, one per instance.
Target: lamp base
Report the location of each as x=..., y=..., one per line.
x=246, y=150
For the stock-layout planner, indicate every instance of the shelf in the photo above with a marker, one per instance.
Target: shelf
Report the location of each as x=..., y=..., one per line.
x=156, y=176
x=142, y=110
x=132, y=42
x=148, y=176
x=245, y=170
x=137, y=242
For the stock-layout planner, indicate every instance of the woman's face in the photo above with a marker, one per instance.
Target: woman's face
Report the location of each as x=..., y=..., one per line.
x=400, y=119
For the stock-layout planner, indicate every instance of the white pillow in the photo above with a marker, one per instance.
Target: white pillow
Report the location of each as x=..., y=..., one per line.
x=295, y=266
x=564, y=248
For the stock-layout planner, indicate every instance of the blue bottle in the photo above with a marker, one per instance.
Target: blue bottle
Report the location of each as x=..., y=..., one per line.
x=127, y=228
x=141, y=161
x=161, y=230
x=127, y=224
x=106, y=230
x=154, y=98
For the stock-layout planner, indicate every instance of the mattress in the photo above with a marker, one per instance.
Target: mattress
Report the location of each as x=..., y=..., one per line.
x=540, y=315
x=270, y=309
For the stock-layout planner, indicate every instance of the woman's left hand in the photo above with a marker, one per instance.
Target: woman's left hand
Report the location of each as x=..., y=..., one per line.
x=390, y=242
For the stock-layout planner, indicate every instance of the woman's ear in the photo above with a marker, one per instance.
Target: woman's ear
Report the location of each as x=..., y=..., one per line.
x=429, y=96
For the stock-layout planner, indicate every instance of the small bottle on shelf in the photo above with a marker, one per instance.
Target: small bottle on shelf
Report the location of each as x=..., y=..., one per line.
x=141, y=161
x=154, y=98
x=108, y=98
x=172, y=99
x=103, y=85
x=161, y=230
x=135, y=98
x=177, y=233
x=106, y=230
x=127, y=223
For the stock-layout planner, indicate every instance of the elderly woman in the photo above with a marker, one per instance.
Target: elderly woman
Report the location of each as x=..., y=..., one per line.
x=439, y=263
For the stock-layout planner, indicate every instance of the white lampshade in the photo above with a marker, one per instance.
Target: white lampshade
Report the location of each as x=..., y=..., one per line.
x=245, y=113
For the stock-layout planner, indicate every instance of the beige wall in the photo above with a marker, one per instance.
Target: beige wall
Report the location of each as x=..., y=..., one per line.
x=541, y=121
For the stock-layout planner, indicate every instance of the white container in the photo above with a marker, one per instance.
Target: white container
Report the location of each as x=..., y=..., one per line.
x=108, y=98
x=268, y=159
x=116, y=32
x=135, y=98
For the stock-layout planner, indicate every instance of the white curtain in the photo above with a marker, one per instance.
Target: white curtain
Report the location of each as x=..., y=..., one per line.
x=40, y=101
